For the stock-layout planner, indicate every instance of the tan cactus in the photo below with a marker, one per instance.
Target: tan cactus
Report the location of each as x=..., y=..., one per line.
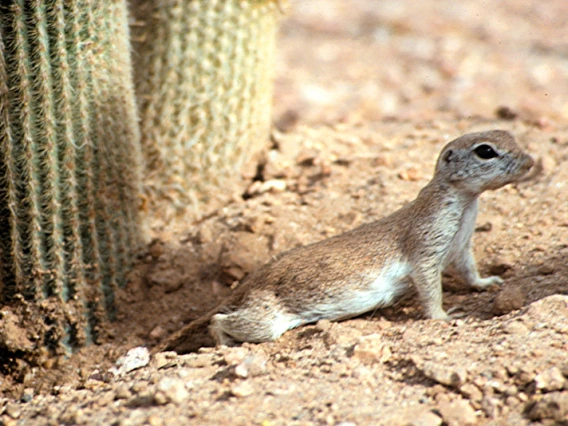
x=69, y=164
x=203, y=75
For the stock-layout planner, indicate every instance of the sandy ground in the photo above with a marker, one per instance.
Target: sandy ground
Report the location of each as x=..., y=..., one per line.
x=366, y=95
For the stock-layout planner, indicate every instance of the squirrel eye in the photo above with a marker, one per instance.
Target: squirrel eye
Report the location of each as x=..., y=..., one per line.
x=485, y=152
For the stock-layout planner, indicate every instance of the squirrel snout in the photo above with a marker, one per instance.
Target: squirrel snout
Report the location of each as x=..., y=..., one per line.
x=527, y=164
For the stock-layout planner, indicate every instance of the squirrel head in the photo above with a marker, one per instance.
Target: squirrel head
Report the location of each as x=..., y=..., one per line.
x=482, y=161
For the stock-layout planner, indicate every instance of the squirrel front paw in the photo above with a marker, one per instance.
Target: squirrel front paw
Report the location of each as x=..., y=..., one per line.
x=483, y=283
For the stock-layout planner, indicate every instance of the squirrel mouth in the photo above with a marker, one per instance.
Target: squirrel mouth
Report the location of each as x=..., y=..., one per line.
x=530, y=169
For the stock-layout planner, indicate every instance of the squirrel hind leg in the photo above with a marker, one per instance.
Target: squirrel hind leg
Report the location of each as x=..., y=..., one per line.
x=250, y=326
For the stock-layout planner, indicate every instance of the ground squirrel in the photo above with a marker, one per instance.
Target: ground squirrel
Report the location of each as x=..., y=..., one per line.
x=371, y=266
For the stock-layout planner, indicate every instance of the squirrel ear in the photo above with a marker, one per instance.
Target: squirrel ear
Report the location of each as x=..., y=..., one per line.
x=447, y=157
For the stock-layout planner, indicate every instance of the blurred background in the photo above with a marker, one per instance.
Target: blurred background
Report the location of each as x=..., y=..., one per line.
x=357, y=60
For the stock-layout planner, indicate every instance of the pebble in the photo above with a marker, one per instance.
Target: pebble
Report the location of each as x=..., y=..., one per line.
x=341, y=336
x=549, y=306
x=170, y=389
x=457, y=413
x=72, y=416
x=13, y=410
x=411, y=174
x=515, y=327
x=252, y=366
x=525, y=374
x=372, y=348
x=414, y=416
x=157, y=333
x=27, y=395
x=164, y=360
x=205, y=235
x=135, y=358
x=200, y=360
x=490, y=407
x=122, y=391
x=362, y=373
x=546, y=269
x=6, y=420
x=553, y=405
x=242, y=389
x=510, y=298
x=502, y=265
x=236, y=355
x=444, y=374
x=471, y=392
x=155, y=420
x=323, y=325
x=550, y=380
x=273, y=185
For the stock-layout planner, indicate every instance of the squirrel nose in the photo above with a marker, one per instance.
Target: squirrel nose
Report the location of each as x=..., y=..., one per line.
x=529, y=163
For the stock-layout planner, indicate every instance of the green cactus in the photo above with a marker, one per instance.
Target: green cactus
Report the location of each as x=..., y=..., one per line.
x=69, y=164
x=203, y=75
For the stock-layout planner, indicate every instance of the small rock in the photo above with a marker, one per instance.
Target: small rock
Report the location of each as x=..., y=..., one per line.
x=204, y=235
x=548, y=163
x=242, y=389
x=122, y=391
x=6, y=420
x=155, y=420
x=550, y=380
x=72, y=416
x=170, y=389
x=135, y=358
x=273, y=185
x=501, y=266
x=12, y=336
x=27, y=395
x=515, y=327
x=236, y=355
x=200, y=360
x=457, y=413
x=553, y=405
x=546, y=269
x=252, y=366
x=445, y=374
x=505, y=112
x=414, y=416
x=362, y=373
x=471, y=392
x=157, y=333
x=242, y=253
x=486, y=227
x=509, y=299
x=167, y=279
x=156, y=249
x=411, y=174
x=337, y=335
x=253, y=223
x=564, y=369
x=490, y=407
x=549, y=307
x=323, y=325
x=13, y=410
x=164, y=360
x=370, y=349
x=104, y=399
x=525, y=374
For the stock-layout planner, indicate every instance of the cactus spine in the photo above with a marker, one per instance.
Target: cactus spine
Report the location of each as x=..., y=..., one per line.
x=69, y=163
x=204, y=83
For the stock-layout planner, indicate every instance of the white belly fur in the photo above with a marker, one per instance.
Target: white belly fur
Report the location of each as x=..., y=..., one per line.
x=381, y=292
